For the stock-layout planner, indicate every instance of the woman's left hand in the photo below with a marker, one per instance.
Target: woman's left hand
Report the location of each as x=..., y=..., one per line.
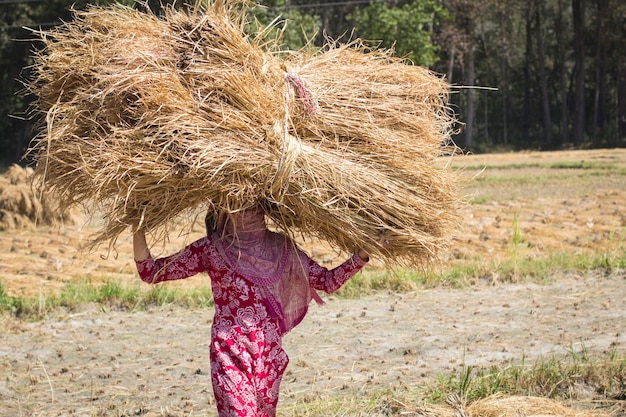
x=382, y=241
x=140, y=245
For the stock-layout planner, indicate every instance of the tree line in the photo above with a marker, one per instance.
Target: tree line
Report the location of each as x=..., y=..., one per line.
x=524, y=74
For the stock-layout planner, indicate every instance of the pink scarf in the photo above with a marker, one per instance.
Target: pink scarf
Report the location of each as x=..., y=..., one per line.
x=268, y=260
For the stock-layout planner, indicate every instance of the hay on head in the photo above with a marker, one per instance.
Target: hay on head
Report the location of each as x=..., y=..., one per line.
x=150, y=118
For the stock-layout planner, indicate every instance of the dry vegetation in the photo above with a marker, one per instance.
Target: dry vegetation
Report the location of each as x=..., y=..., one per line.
x=21, y=208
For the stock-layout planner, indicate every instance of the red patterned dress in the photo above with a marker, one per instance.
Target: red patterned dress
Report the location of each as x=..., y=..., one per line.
x=251, y=315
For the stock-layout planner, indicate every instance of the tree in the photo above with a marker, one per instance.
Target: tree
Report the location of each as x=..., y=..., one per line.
x=292, y=27
x=560, y=46
x=528, y=63
x=599, y=103
x=621, y=94
x=543, y=80
x=13, y=57
x=579, y=53
x=609, y=44
x=471, y=82
x=17, y=43
x=615, y=34
x=407, y=29
x=461, y=29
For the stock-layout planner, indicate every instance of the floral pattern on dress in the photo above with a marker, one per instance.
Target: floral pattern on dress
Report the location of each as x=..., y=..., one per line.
x=247, y=358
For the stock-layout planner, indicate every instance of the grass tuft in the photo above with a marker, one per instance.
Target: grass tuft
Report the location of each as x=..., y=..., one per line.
x=572, y=376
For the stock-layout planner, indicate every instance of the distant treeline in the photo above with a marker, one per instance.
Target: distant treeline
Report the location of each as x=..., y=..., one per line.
x=525, y=74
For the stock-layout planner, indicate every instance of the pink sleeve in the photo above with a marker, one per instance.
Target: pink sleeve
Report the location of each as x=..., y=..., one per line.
x=184, y=264
x=329, y=281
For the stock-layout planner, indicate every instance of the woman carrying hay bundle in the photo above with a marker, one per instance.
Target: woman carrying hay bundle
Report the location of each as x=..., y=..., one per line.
x=262, y=285
x=149, y=118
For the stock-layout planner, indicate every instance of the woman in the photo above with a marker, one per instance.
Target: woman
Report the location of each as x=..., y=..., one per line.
x=262, y=285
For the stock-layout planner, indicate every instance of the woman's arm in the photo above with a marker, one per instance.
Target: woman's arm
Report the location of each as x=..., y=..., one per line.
x=140, y=246
x=184, y=264
x=331, y=280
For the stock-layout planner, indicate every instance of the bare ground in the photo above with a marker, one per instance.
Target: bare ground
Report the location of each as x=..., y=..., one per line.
x=155, y=363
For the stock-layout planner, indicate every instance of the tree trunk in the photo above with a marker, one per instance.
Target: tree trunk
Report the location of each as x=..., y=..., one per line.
x=527, y=64
x=545, y=100
x=621, y=96
x=599, y=107
x=505, y=103
x=451, y=61
x=325, y=23
x=486, y=129
x=563, y=71
x=504, y=71
x=471, y=79
x=579, y=53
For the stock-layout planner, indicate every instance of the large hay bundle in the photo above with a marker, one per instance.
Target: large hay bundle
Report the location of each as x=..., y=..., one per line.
x=151, y=118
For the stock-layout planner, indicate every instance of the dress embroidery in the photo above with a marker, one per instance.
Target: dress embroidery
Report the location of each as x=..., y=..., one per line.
x=247, y=358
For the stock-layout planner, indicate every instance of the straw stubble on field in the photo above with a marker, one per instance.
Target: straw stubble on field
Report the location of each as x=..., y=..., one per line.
x=544, y=204
x=566, y=210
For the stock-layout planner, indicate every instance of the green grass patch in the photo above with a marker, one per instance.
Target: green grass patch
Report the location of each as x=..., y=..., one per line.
x=541, y=174
x=371, y=281
x=108, y=295
x=568, y=165
x=570, y=376
x=517, y=266
x=401, y=280
x=483, y=199
x=540, y=269
x=536, y=179
x=7, y=302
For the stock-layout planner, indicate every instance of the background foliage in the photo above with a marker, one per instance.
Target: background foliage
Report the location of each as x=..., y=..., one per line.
x=526, y=74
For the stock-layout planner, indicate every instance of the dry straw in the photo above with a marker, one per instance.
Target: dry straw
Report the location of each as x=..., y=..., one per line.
x=20, y=208
x=502, y=406
x=151, y=118
x=507, y=406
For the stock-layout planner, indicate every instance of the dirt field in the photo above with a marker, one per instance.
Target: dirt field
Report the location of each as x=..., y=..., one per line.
x=155, y=363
